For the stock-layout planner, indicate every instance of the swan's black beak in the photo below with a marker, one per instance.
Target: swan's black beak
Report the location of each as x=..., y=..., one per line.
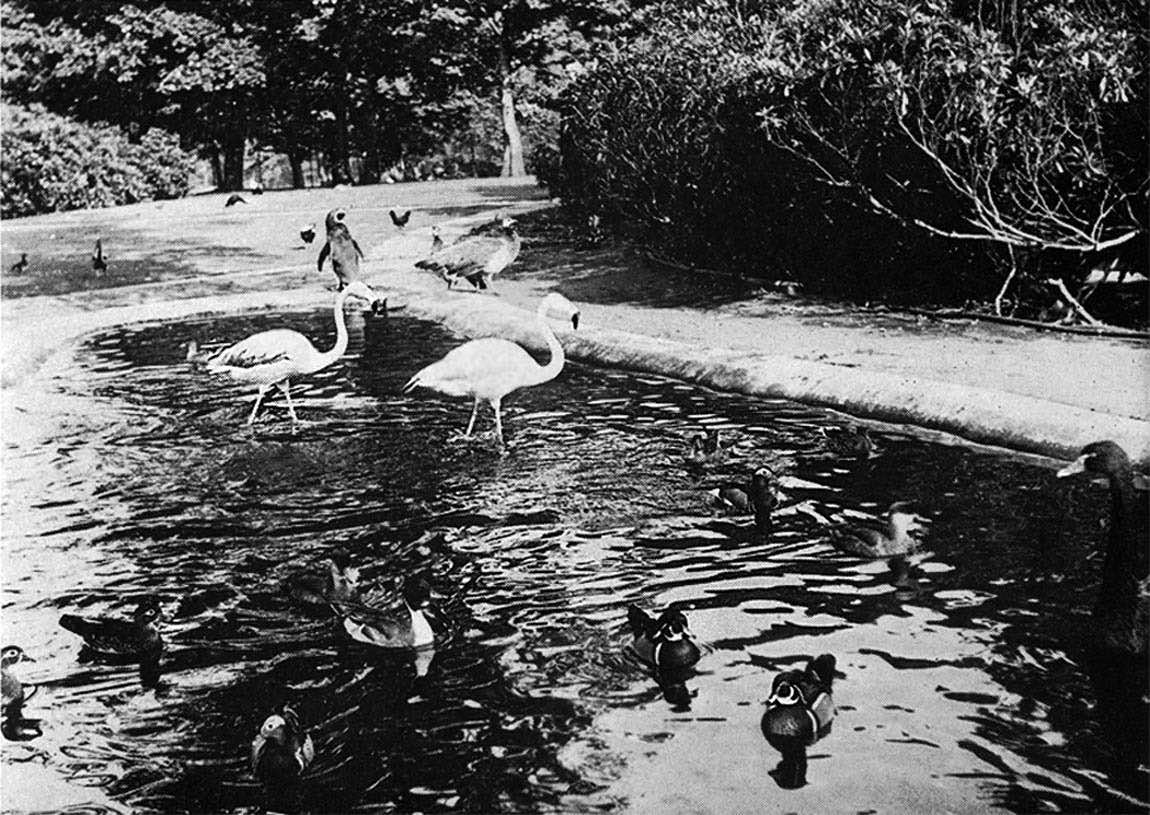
x=379, y=306
x=575, y=321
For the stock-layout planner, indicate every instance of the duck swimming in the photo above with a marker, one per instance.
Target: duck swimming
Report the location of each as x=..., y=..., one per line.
x=760, y=497
x=1123, y=608
x=14, y=695
x=663, y=643
x=137, y=638
x=892, y=537
x=408, y=628
x=705, y=448
x=339, y=585
x=281, y=751
x=800, y=711
x=854, y=441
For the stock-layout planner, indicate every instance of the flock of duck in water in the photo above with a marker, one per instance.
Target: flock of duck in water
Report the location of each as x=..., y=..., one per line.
x=799, y=705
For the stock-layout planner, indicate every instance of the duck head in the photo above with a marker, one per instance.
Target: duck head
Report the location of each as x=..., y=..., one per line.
x=148, y=611
x=13, y=655
x=274, y=728
x=340, y=562
x=508, y=224
x=1101, y=458
x=904, y=520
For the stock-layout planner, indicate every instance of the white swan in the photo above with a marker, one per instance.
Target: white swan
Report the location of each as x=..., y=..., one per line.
x=272, y=358
x=489, y=369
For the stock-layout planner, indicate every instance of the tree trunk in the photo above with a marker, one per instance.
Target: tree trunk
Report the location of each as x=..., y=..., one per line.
x=340, y=164
x=217, y=167
x=295, y=159
x=234, y=162
x=513, y=140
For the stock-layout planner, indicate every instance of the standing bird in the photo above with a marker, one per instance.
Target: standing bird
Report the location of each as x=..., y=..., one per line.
x=234, y=198
x=281, y=751
x=399, y=220
x=345, y=252
x=99, y=265
x=13, y=688
x=488, y=369
x=476, y=258
x=307, y=234
x=272, y=358
x=436, y=239
x=19, y=266
x=663, y=643
x=800, y=711
x=137, y=638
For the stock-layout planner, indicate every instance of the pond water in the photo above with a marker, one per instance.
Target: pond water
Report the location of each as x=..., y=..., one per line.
x=961, y=682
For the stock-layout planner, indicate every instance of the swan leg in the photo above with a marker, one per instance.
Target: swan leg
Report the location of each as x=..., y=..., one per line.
x=285, y=388
x=256, y=407
x=474, y=413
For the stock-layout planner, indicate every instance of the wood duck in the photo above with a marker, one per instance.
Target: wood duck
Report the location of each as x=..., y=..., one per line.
x=110, y=637
x=1123, y=608
x=338, y=585
x=281, y=751
x=800, y=711
x=663, y=643
x=408, y=628
x=705, y=448
x=854, y=441
x=400, y=221
x=890, y=538
x=759, y=497
x=14, y=694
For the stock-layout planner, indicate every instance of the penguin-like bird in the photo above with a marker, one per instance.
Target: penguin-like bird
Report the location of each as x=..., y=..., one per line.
x=399, y=220
x=345, y=252
x=99, y=265
x=234, y=198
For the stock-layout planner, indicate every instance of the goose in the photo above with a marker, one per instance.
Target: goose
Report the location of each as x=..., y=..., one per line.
x=406, y=629
x=19, y=266
x=233, y=199
x=892, y=537
x=1123, y=608
x=14, y=695
x=400, y=221
x=281, y=751
x=488, y=369
x=272, y=358
x=853, y=441
x=137, y=638
x=662, y=643
x=339, y=585
x=800, y=711
x=99, y=265
x=760, y=497
x=307, y=233
x=476, y=258
x=341, y=246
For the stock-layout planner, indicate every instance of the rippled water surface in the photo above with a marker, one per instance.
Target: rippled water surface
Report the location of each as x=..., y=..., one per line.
x=961, y=681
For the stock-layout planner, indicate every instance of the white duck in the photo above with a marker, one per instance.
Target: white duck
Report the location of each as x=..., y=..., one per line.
x=272, y=358
x=488, y=369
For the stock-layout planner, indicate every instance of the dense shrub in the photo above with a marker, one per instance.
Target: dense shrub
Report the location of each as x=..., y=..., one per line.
x=871, y=147
x=52, y=163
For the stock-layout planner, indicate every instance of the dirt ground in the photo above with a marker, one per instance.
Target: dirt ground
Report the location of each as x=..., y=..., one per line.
x=196, y=248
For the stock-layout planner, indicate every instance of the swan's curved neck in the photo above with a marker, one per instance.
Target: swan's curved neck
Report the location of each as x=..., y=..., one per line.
x=558, y=358
x=1122, y=569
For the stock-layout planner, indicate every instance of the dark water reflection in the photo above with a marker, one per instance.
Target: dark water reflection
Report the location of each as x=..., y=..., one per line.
x=962, y=684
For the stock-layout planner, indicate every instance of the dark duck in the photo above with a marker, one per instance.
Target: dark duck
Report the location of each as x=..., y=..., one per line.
x=800, y=711
x=108, y=637
x=307, y=233
x=339, y=583
x=853, y=441
x=233, y=199
x=664, y=642
x=400, y=221
x=759, y=497
x=281, y=751
x=19, y=266
x=341, y=246
x=99, y=265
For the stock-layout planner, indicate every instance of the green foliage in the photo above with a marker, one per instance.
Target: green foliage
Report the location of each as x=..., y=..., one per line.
x=52, y=163
x=871, y=146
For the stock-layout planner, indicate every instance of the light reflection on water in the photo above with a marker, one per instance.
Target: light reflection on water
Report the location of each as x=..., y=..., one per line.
x=960, y=682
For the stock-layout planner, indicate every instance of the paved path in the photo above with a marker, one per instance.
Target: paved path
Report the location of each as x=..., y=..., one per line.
x=1042, y=393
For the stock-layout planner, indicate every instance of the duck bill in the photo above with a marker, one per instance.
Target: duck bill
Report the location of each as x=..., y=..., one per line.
x=1076, y=466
